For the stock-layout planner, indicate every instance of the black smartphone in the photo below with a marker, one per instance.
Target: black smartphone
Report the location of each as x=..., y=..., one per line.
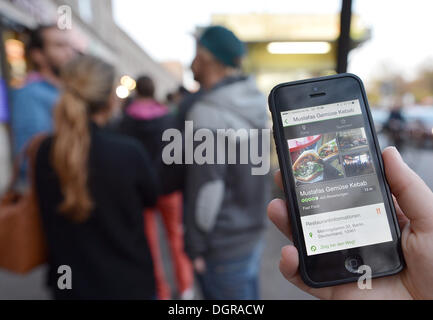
x=341, y=209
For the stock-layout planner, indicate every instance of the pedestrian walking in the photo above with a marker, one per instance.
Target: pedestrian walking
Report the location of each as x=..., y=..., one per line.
x=225, y=204
x=92, y=187
x=48, y=49
x=146, y=119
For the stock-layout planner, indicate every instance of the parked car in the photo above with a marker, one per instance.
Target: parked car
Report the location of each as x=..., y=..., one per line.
x=419, y=125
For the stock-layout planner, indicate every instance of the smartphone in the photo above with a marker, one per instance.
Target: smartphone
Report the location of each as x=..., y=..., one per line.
x=341, y=209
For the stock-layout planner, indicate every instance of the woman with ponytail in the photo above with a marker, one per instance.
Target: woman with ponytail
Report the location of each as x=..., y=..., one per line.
x=92, y=187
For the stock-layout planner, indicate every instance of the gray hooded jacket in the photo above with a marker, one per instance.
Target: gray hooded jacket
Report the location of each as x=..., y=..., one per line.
x=225, y=204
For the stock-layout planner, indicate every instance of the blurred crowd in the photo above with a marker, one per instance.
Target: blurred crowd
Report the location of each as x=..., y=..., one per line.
x=100, y=178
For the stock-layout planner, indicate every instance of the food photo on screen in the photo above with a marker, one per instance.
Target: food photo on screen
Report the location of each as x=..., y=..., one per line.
x=315, y=158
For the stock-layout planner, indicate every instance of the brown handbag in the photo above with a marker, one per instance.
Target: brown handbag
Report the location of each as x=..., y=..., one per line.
x=22, y=240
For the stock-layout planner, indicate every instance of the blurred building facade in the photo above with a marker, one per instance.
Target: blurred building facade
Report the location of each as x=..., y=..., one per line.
x=94, y=31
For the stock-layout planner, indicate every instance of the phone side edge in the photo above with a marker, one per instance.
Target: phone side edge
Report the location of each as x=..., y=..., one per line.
x=296, y=232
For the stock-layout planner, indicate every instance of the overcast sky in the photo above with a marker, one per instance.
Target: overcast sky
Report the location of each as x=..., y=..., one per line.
x=401, y=29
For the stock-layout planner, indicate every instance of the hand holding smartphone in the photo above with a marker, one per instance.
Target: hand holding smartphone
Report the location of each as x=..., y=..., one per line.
x=342, y=214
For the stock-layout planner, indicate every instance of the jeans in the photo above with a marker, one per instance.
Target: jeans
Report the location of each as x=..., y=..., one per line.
x=232, y=279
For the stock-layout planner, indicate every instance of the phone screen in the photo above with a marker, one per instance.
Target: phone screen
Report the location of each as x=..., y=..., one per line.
x=340, y=199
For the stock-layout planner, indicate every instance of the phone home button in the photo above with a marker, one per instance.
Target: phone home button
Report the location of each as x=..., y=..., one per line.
x=352, y=263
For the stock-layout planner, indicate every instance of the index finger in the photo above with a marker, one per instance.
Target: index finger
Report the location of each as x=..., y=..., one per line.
x=278, y=214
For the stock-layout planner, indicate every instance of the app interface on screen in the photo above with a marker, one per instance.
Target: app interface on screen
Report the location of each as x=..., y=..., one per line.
x=338, y=193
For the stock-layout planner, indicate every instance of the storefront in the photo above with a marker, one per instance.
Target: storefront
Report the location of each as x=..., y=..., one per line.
x=12, y=74
x=4, y=111
x=284, y=47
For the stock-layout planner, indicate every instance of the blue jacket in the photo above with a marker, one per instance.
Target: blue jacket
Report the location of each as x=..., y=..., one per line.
x=32, y=112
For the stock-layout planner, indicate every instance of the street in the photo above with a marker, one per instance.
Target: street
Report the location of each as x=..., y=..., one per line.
x=273, y=284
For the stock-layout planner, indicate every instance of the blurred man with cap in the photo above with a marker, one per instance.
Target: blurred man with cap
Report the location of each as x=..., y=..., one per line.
x=225, y=204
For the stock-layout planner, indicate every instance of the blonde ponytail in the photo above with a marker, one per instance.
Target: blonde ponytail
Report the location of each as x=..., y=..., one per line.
x=70, y=154
x=88, y=84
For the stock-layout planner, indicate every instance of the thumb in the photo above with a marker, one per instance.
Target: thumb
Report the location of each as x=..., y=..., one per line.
x=413, y=195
